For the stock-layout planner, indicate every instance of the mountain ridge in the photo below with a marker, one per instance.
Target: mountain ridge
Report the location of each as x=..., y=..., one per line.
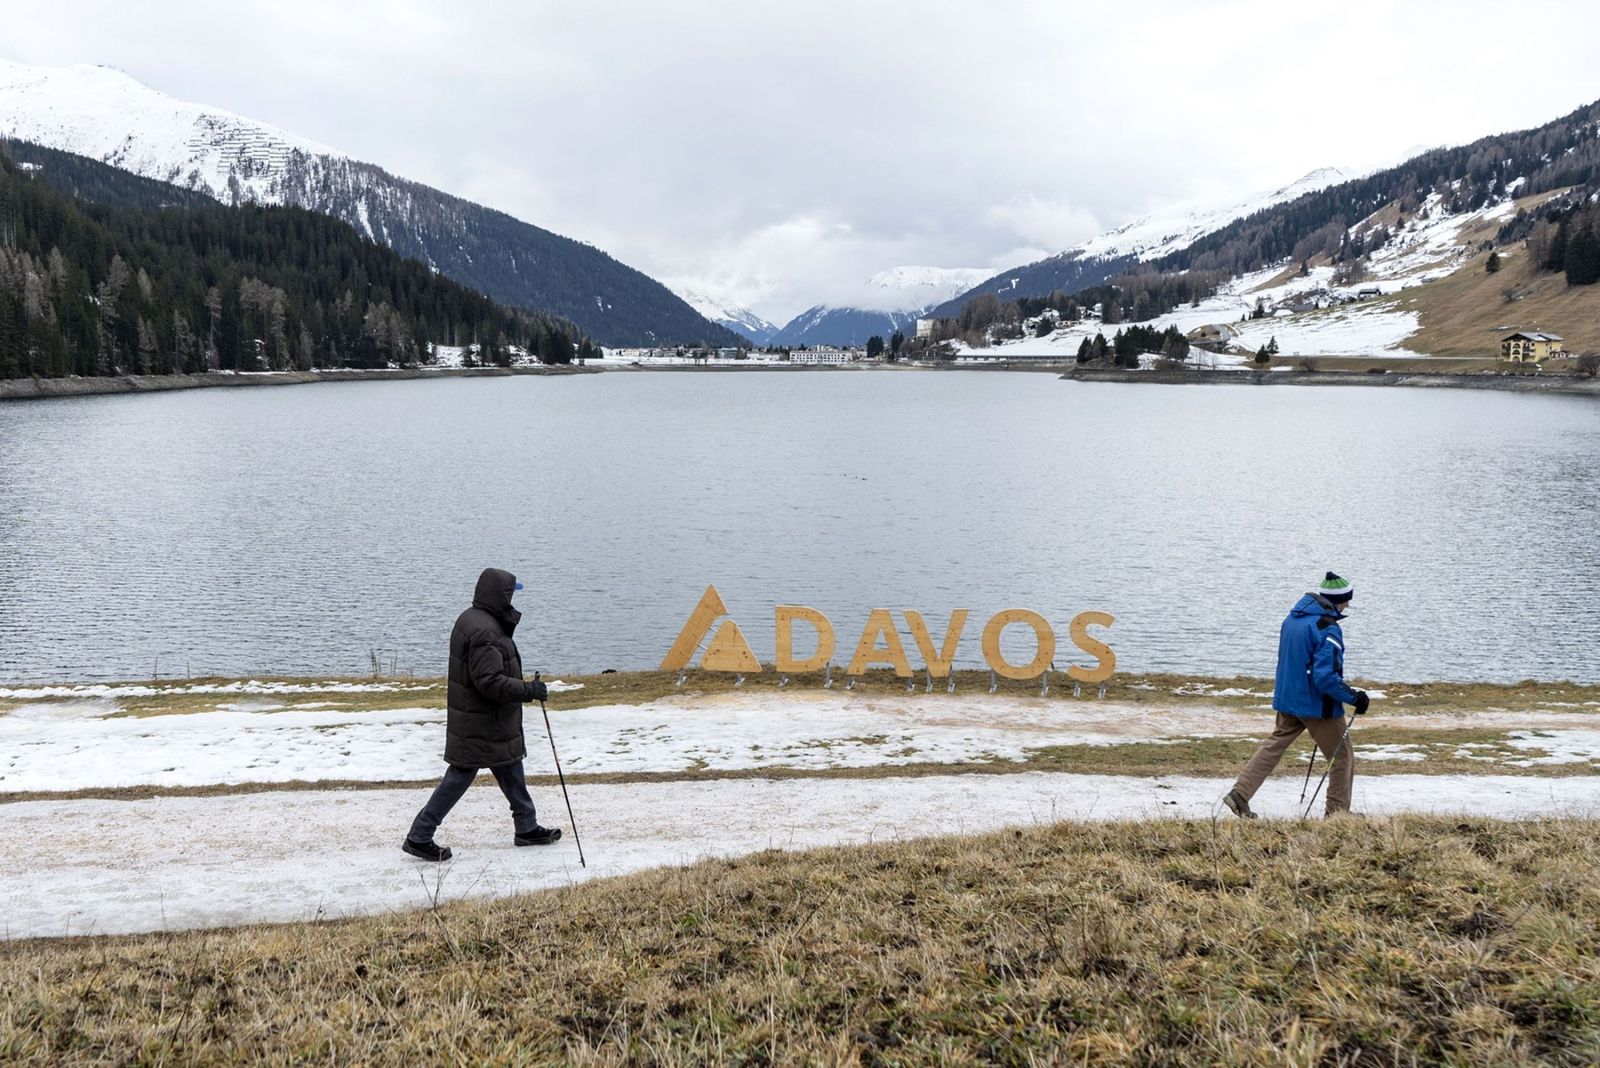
x=105, y=114
x=1147, y=237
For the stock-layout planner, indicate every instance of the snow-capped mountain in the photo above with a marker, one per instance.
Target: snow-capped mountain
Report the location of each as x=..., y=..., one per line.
x=104, y=114
x=1157, y=233
x=915, y=288
x=740, y=320
x=1148, y=237
x=888, y=301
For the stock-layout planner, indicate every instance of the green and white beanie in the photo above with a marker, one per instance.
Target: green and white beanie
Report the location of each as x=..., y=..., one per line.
x=1336, y=589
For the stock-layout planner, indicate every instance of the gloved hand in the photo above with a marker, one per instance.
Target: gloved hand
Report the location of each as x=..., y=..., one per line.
x=1362, y=702
x=537, y=691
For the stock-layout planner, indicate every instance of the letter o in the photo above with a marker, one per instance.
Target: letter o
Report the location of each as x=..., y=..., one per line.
x=1042, y=633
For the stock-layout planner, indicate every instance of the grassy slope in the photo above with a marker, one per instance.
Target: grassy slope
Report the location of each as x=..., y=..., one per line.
x=1350, y=942
x=1466, y=313
x=637, y=687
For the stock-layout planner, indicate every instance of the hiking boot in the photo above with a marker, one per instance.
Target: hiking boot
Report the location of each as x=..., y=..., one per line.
x=538, y=836
x=426, y=850
x=1236, y=803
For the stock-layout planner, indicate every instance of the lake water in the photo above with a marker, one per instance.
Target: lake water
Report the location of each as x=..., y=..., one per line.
x=306, y=530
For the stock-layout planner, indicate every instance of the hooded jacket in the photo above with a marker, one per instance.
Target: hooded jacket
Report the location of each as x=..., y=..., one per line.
x=1310, y=683
x=483, y=727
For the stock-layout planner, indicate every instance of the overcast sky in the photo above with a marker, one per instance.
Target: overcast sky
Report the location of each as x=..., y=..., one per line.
x=776, y=155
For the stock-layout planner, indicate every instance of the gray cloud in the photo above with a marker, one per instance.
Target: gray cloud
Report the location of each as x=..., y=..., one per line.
x=777, y=155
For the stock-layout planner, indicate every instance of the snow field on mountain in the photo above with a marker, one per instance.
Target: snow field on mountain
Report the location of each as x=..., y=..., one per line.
x=104, y=114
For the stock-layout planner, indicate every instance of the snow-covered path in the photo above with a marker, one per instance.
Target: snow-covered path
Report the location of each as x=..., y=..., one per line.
x=72, y=745
x=104, y=867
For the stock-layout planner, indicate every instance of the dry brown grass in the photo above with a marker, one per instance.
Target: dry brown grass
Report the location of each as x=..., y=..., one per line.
x=1348, y=942
x=638, y=687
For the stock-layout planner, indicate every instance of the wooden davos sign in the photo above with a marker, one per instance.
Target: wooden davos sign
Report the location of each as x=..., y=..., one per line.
x=880, y=643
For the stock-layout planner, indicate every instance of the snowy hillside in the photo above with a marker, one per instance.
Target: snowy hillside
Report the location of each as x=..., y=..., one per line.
x=1311, y=314
x=742, y=321
x=1148, y=237
x=105, y=115
x=1157, y=233
x=102, y=113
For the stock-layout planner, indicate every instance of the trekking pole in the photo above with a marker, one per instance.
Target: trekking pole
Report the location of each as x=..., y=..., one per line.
x=563, y=779
x=1331, y=758
x=1309, y=765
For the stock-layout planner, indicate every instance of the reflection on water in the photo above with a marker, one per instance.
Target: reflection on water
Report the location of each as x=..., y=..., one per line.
x=303, y=530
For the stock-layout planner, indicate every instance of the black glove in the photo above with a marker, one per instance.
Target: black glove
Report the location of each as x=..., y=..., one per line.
x=537, y=691
x=1362, y=702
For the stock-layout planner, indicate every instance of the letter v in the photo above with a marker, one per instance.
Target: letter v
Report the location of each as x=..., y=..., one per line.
x=938, y=665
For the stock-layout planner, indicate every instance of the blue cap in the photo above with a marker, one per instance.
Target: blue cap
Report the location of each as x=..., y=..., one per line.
x=516, y=586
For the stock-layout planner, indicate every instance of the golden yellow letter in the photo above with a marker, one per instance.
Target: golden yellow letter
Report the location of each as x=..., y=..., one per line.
x=1080, y=637
x=868, y=653
x=1042, y=632
x=699, y=625
x=938, y=663
x=783, y=618
x=729, y=651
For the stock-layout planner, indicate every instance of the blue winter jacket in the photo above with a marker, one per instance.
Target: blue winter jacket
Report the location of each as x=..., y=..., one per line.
x=1311, y=662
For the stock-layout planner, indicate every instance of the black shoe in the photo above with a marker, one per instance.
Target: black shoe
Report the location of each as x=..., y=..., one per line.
x=538, y=836
x=426, y=850
x=1238, y=805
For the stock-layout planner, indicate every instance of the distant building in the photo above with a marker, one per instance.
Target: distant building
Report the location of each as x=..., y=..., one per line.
x=834, y=356
x=1529, y=345
x=925, y=328
x=1369, y=291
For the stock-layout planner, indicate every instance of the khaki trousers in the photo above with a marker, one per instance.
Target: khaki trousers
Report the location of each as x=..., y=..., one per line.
x=1326, y=733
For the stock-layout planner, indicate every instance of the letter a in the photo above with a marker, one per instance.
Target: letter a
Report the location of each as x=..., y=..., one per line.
x=868, y=653
x=699, y=625
x=729, y=651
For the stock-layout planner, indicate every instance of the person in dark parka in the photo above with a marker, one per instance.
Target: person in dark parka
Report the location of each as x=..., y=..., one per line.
x=483, y=727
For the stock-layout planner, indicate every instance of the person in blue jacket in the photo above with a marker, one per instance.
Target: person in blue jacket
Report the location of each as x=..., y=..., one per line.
x=1310, y=696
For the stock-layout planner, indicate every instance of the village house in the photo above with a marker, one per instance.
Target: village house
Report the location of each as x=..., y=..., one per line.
x=1530, y=346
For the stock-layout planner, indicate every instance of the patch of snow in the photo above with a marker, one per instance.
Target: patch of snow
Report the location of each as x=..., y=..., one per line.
x=808, y=730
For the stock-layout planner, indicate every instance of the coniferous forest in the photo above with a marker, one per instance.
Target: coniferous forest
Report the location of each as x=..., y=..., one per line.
x=150, y=279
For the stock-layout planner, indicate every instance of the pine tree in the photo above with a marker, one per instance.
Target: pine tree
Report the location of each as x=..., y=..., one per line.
x=1583, y=258
x=1492, y=264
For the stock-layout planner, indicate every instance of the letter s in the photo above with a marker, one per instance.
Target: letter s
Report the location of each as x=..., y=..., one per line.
x=1095, y=648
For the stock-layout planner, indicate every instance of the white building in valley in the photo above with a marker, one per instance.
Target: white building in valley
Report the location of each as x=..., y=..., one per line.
x=820, y=355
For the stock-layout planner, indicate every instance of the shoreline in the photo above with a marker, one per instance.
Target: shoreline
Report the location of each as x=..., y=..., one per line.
x=47, y=388
x=1424, y=379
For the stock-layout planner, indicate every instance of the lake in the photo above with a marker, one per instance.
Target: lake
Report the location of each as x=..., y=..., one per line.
x=314, y=529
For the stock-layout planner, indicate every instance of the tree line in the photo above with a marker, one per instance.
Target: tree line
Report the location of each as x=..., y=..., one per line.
x=134, y=288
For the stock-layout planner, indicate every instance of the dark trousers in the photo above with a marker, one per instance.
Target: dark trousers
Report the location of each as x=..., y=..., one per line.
x=455, y=783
